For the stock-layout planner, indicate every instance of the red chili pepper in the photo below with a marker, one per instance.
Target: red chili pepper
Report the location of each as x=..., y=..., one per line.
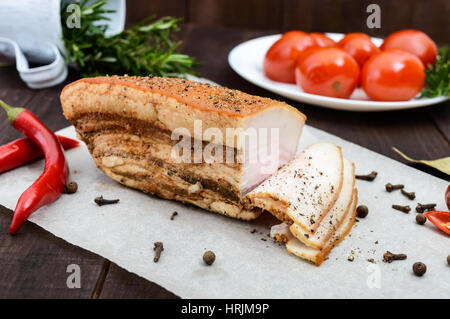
x=50, y=185
x=440, y=219
x=24, y=150
x=447, y=197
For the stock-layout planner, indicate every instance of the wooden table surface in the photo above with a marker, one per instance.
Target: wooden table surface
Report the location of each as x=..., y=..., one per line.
x=33, y=263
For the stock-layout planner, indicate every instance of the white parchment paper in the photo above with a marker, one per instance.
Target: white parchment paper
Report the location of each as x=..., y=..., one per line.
x=249, y=265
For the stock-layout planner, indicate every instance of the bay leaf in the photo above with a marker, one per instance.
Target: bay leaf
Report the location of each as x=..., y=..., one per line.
x=441, y=164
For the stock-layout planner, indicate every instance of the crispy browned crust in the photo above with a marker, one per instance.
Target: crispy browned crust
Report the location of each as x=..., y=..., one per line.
x=202, y=96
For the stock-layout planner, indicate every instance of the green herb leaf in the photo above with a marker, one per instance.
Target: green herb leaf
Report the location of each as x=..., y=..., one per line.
x=145, y=49
x=442, y=164
x=437, y=80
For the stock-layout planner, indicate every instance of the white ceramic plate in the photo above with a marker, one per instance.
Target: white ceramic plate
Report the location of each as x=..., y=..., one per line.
x=247, y=58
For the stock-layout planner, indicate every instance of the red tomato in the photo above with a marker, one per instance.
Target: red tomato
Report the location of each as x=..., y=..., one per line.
x=359, y=46
x=415, y=42
x=327, y=71
x=392, y=75
x=322, y=40
x=294, y=33
x=280, y=59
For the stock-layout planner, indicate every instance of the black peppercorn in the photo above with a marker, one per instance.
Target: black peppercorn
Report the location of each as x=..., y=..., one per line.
x=362, y=211
x=405, y=209
x=421, y=219
x=209, y=257
x=390, y=187
x=369, y=177
x=71, y=188
x=419, y=269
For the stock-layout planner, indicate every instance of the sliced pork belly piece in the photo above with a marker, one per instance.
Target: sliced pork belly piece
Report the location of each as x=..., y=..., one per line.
x=317, y=256
x=132, y=125
x=305, y=189
x=335, y=216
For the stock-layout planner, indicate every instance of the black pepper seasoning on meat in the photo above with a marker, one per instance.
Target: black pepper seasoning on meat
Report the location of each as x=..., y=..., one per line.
x=362, y=211
x=419, y=269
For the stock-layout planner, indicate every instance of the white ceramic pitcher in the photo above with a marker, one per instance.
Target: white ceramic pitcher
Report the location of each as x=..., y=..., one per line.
x=30, y=30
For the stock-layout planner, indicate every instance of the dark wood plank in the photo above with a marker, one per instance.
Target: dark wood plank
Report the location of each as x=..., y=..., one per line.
x=211, y=45
x=34, y=263
x=125, y=285
x=261, y=14
x=308, y=15
x=441, y=117
x=139, y=10
x=317, y=16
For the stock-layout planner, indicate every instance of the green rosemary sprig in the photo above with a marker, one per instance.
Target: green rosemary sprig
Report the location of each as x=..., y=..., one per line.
x=437, y=80
x=145, y=49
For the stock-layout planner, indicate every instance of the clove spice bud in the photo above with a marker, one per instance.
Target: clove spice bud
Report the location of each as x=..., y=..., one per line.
x=422, y=208
x=362, y=211
x=173, y=215
x=419, y=269
x=388, y=257
x=100, y=201
x=390, y=187
x=405, y=209
x=410, y=195
x=369, y=177
x=158, y=248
